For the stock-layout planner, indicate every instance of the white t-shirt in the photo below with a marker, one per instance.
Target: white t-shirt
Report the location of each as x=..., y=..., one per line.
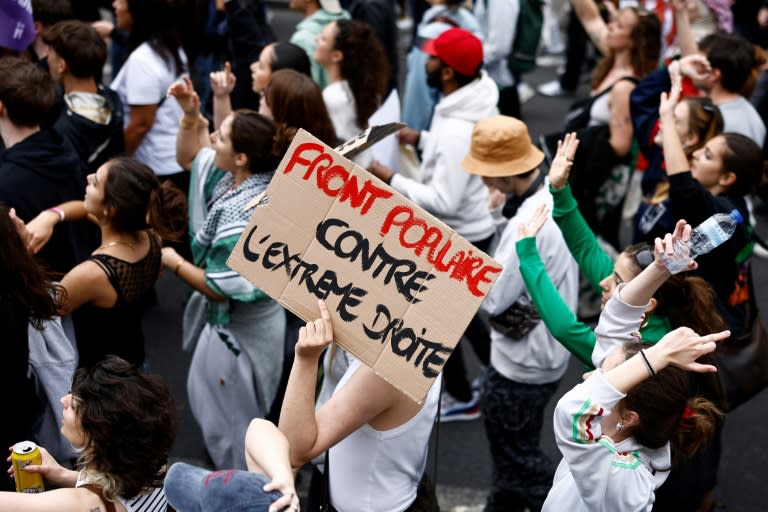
x=340, y=103
x=144, y=80
x=379, y=471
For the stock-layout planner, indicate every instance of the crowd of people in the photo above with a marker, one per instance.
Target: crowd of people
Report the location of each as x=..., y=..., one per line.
x=104, y=185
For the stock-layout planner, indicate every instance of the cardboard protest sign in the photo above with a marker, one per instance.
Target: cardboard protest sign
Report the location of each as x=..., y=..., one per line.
x=401, y=286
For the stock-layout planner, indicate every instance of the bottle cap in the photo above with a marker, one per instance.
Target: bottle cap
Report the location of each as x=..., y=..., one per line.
x=736, y=215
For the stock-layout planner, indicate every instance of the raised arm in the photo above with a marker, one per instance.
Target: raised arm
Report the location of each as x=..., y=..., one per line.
x=193, y=127
x=364, y=396
x=589, y=16
x=685, y=38
x=574, y=335
x=621, y=119
x=593, y=262
x=674, y=155
x=222, y=84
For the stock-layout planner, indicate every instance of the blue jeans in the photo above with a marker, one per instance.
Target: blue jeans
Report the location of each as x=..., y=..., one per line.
x=513, y=413
x=189, y=489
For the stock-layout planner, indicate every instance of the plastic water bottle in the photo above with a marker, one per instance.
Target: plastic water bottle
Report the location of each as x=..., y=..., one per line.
x=705, y=237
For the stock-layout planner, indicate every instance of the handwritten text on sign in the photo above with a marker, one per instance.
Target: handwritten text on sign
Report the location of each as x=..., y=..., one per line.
x=403, y=285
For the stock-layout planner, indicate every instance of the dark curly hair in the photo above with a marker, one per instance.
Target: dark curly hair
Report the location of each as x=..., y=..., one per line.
x=24, y=284
x=364, y=66
x=129, y=426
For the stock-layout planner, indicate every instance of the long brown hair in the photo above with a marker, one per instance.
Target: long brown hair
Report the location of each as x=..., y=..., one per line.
x=297, y=101
x=24, y=284
x=129, y=425
x=364, y=66
x=644, y=56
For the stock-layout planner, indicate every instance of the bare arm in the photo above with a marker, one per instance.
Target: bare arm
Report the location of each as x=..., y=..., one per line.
x=364, y=397
x=188, y=272
x=685, y=39
x=589, y=16
x=222, y=85
x=193, y=128
x=674, y=155
x=62, y=500
x=267, y=452
x=680, y=348
x=41, y=227
x=84, y=284
x=142, y=118
x=621, y=118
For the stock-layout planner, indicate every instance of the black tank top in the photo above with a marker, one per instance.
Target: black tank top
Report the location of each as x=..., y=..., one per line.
x=117, y=330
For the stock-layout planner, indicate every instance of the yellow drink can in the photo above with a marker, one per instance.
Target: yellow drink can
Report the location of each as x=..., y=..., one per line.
x=24, y=454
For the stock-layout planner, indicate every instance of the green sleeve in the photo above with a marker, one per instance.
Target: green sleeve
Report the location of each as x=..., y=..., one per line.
x=593, y=262
x=577, y=337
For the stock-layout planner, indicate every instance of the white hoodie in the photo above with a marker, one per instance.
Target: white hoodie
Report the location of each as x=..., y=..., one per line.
x=447, y=191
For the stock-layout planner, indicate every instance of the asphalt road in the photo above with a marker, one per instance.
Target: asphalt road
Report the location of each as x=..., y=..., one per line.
x=463, y=460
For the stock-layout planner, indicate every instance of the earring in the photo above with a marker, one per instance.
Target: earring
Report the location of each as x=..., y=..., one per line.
x=620, y=426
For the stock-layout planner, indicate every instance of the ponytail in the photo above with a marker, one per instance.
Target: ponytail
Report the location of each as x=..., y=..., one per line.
x=167, y=211
x=697, y=424
x=282, y=140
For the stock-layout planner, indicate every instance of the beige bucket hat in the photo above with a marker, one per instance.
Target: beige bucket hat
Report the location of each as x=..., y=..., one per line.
x=501, y=147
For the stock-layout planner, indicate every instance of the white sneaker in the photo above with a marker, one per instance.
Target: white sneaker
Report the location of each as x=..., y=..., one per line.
x=551, y=88
x=525, y=92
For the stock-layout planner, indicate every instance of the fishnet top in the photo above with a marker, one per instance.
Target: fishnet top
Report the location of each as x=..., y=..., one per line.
x=132, y=281
x=117, y=330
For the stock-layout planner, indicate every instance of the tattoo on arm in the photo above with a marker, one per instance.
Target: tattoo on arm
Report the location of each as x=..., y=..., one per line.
x=95, y=509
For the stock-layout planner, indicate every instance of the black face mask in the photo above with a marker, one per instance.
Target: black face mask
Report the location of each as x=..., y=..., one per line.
x=434, y=78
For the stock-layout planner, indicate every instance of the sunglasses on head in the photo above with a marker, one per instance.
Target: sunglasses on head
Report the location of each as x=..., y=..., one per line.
x=643, y=258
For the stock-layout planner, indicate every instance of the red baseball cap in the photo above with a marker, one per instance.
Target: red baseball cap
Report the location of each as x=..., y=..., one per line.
x=458, y=48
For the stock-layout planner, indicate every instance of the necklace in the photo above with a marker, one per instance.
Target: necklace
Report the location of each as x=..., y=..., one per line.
x=117, y=242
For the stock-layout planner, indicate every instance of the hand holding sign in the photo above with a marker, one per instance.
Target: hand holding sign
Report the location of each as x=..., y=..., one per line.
x=315, y=336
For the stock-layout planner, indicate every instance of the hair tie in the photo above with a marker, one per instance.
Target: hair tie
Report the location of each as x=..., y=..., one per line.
x=685, y=420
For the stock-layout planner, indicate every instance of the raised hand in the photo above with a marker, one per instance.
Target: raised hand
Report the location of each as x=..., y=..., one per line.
x=682, y=347
x=563, y=161
x=315, y=336
x=185, y=94
x=695, y=67
x=223, y=82
x=534, y=225
x=666, y=245
x=669, y=100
